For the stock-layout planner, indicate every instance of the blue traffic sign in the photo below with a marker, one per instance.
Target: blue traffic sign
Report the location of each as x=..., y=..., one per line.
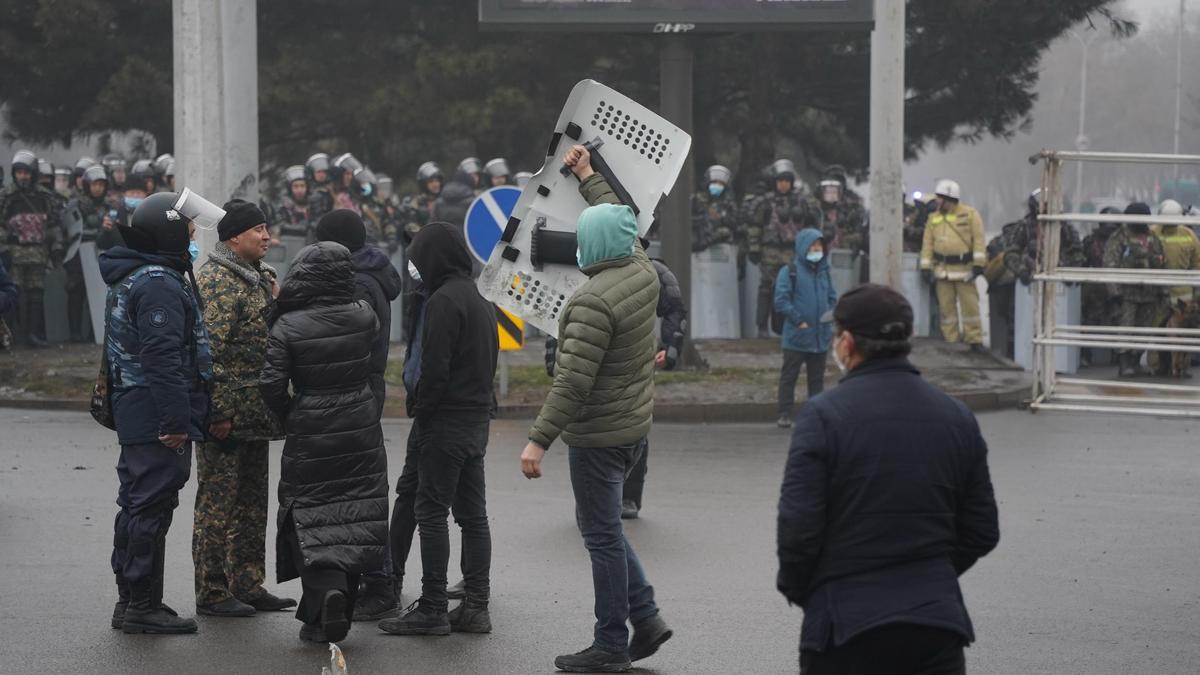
x=487, y=217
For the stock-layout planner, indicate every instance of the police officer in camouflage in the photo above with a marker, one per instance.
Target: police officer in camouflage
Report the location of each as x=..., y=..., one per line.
x=100, y=226
x=32, y=239
x=159, y=370
x=714, y=210
x=295, y=209
x=320, y=187
x=843, y=218
x=229, y=538
x=776, y=220
x=1134, y=246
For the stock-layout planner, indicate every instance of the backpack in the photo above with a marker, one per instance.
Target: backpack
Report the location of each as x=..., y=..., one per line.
x=776, y=315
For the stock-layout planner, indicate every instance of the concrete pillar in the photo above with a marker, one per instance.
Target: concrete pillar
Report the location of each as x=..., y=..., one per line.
x=216, y=101
x=887, y=143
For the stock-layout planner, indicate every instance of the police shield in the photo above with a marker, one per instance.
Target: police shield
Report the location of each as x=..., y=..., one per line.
x=72, y=220
x=532, y=271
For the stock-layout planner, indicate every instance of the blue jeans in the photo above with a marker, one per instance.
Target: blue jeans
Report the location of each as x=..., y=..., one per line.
x=622, y=592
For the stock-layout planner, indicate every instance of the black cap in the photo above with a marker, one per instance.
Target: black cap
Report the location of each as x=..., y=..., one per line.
x=876, y=312
x=343, y=226
x=240, y=215
x=1137, y=209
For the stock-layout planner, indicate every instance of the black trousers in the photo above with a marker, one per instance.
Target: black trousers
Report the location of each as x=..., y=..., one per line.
x=893, y=649
x=636, y=480
x=443, y=474
x=151, y=477
x=317, y=581
x=814, y=366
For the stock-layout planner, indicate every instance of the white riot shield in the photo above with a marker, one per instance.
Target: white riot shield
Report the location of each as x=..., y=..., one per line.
x=96, y=288
x=532, y=271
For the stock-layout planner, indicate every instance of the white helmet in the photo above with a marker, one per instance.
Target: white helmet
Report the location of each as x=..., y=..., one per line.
x=1170, y=207
x=948, y=189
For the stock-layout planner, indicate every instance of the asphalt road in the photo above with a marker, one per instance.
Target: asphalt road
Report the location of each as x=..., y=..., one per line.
x=1098, y=569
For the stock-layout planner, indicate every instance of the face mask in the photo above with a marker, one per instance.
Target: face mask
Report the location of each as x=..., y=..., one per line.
x=193, y=251
x=815, y=256
x=412, y=271
x=837, y=359
x=716, y=189
x=367, y=190
x=132, y=202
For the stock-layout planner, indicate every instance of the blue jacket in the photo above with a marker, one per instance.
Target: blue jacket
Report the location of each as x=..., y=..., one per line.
x=886, y=500
x=812, y=296
x=8, y=291
x=157, y=348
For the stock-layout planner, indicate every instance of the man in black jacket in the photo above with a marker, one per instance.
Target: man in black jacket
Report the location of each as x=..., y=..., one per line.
x=886, y=500
x=378, y=283
x=451, y=405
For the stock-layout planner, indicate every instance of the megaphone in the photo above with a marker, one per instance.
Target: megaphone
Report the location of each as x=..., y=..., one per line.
x=199, y=210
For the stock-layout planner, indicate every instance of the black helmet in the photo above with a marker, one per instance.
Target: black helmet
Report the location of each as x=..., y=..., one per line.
x=142, y=171
x=83, y=164
x=94, y=173
x=427, y=171
x=157, y=227
x=24, y=159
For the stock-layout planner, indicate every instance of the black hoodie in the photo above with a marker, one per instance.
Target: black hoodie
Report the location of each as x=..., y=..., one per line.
x=377, y=282
x=459, y=342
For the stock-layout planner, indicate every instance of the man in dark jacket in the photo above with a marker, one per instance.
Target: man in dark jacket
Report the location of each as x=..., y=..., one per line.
x=159, y=369
x=452, y=406
x=376, y=282
x=886, y=500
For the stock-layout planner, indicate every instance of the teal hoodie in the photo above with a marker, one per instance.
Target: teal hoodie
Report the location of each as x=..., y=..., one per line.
x=605, y=232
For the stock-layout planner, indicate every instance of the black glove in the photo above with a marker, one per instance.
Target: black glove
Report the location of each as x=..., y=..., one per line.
x=927, y=275
x=977, y=271
x=1026, y=277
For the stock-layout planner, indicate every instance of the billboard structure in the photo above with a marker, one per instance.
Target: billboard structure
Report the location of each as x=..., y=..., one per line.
x=677, y=16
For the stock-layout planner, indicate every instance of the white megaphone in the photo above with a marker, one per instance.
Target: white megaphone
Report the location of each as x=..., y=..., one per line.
x=199, y=210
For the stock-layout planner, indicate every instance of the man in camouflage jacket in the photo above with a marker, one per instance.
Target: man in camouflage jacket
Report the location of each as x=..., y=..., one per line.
x=229, y=538
x=1134, y=246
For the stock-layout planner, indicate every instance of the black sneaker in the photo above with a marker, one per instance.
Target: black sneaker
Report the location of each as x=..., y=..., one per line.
x=470, y=618
x=228, y=607
x=629, y=509
x=334, y=623
x=376, y=600
x=592, y=660
x=648, y=635
x=457, y=591
x=417, y=620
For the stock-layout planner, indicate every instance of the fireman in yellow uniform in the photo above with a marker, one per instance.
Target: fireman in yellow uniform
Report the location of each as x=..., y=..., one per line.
x=1180, y=246
x=953, y=253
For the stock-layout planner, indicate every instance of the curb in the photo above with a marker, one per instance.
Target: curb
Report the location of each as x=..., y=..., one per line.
x=732, y=413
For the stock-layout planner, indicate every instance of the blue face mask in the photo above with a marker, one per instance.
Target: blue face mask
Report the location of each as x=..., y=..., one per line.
x=193, y=251
x=131, y=203
x=815, y=256
x=716, y=189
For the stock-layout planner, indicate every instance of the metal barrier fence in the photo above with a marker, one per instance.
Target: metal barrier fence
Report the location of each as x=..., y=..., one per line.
x=1074, y=394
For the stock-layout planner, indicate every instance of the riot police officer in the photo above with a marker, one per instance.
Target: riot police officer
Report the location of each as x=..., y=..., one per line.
x=497, y=173
x=80, y=166
x=117, y=169
x=45, y=174
x=98, y=224
x=320, y=189
x=143, y=180
x=777, y=218
x=843, y=218
x=416, y=210
x=471, y=166
x=160, y=369
x=162, y=163
x=33, y=239
x=294, y=219
x=714, y=209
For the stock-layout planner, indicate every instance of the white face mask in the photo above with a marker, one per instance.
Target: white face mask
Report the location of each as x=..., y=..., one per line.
x=412, y=271
x=837, y=359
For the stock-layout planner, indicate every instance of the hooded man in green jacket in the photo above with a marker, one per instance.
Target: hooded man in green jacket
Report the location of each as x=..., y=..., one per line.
x=601, y=404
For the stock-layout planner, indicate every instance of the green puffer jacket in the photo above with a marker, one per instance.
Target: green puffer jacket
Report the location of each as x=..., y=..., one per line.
x=603, y=391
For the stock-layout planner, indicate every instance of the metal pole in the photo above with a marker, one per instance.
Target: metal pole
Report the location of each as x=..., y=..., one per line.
x=216, y=100
x=1178, y=85
x=675, y=104
x=887, y=144
x=1081, y=139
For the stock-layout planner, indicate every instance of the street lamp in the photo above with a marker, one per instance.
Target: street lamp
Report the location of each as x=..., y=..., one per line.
x=1081, y=140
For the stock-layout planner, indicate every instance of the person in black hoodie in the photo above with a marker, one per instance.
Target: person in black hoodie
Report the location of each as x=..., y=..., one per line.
x=376, y=282
x=159, y=372
x=449, y=374
x=333, y=477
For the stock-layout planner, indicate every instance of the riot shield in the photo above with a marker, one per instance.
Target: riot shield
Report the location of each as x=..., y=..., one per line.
x=72, y=220
x=532, y=270
x=96, y=288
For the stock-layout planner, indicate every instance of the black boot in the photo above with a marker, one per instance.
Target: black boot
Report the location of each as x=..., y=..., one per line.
x=471, y=617
x=75, y=304
x=142, y=616
x=648, y=635
x=118, y=616
x=160, y=557
x=418, y=620
x=376, y=600
x=592, y=660
x=37, y=320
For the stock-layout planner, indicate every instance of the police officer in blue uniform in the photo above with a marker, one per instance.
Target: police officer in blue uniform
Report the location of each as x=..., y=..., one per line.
x=160, y=368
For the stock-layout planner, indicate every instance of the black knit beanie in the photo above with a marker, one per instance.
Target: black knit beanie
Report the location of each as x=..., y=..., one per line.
x=343, y=226
x=240, y=215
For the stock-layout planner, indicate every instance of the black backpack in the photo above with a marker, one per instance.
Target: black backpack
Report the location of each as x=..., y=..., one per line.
x=776, y=316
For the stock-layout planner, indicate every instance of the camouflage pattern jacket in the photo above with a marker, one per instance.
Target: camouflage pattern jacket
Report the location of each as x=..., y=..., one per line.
x=415, y=213
x=778, y=217
x=295, y=220
x=714, y=219
x=30, y=229
x=844, y=225
x=1140, y=251
x=1020, y=239
x=238, y=297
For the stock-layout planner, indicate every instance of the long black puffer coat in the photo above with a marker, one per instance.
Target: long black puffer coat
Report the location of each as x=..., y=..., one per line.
x=333, y=486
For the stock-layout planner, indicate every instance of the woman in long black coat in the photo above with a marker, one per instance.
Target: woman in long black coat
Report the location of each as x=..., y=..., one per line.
x=333, y=491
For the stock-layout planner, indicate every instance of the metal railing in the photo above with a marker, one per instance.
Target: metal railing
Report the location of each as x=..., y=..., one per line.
x=1124, y=396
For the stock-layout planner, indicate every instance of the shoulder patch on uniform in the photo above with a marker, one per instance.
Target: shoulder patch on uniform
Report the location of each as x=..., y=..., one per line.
x=158, y=317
